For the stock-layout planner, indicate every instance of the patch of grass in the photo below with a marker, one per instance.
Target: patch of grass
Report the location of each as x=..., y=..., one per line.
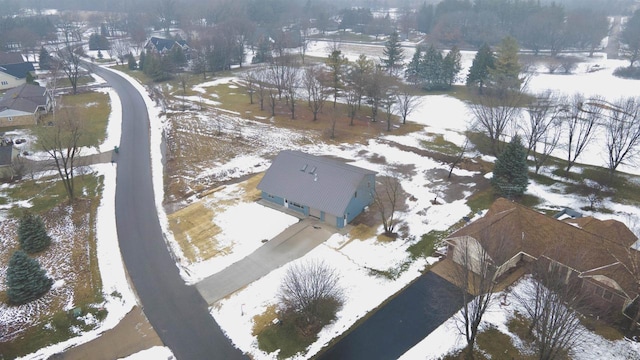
x=392, y=273
x=499, y=345
x=601, y=328
x=264, y=320
x=439, y=144
x=427, y=244
x=481, y=200
x=284, y=337
x=46, y=193
x=92, y=108
x=519, y=325
x=82, y=80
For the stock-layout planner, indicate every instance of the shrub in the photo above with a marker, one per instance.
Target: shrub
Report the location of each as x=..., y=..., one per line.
x=310, y=296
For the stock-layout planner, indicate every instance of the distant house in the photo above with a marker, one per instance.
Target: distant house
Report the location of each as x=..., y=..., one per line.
x=8, y=154
x=162, y=46
x=589, y=251
x=324, y=188
x=24, y=105
x=13, y=70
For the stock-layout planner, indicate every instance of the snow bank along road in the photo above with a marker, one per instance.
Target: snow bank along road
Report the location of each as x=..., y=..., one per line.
x=177, y=311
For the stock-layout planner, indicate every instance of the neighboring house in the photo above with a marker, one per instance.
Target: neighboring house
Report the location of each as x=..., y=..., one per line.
x=324, y=188
x=13, y=70
x=163, y=46
x=8, y=154
x=589, y=251
x=24, y=105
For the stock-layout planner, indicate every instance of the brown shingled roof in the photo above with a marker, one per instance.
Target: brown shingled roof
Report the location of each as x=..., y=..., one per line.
x=509, y=228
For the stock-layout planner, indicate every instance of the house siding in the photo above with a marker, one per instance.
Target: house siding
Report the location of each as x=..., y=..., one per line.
x=362, y=197
x=17, y=120
x=9, y=81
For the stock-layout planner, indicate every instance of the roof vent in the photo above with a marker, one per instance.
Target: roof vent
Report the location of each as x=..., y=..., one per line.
x=304, y=168
x=313, y=170
x=315, y=177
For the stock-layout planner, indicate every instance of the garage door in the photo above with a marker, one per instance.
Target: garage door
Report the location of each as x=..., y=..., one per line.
x=330, y=219
x=314, y=213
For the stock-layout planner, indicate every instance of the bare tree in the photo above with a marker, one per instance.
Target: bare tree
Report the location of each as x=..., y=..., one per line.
x=261, y=86
x=493, y=115
x=551, y=305
x=292, y=81
x=317, y=92
x=475, y=276
x=544, y=113
x=387, y=198
x=306, y=291
x=352, y=96
x=378, y=83
x=622, y=128
x=406, y=103
x=70, y=64
x=458, y=157
x=581, y=117
x=273, y=101
x=387, y=102
x=250, y=80
x=61, y=142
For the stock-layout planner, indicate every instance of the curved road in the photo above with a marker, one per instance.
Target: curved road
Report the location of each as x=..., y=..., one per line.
x=177, y=312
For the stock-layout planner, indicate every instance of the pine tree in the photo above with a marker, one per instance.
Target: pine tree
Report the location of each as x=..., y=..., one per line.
x=131, y=62
x=26, y=280
x=141, y=61
x=432, y=69
x=44, y=59
x=412, y=73
x=510, y=174
x=32, y=234
x=479, y=71
x=393, y=52
x=505, y=74
x=451, y=66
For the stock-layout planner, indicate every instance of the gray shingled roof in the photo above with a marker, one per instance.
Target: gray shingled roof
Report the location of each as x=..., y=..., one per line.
x=325, y=184
x=26, y=97
x=10, y=58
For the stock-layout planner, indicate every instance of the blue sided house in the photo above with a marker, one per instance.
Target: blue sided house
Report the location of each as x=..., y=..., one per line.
x=324, y=188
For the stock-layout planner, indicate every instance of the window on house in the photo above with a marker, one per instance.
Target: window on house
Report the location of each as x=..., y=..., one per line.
x=5, y=83
x=10, y=119
x=608, y=295
x=355, y=195
x=598, y=290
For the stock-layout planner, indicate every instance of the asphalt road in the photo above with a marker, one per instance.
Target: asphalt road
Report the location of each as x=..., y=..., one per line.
x=401, y=323
x=177, y=312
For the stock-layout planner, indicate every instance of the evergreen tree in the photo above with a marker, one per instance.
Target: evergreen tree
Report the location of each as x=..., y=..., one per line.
x=30, y=79
x=510, y=174
x=26, y=280
x=44, y=59
x=412, y=73
x=432, y=76
x=141, y=61
x=505, y=74
x=479, y=71
x=393, y=52
x=131, y=61
x=32, y=234
x=451, y=66
x=98, y=42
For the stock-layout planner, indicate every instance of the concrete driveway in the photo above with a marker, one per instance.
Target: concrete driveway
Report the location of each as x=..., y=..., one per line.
x=294, y=242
